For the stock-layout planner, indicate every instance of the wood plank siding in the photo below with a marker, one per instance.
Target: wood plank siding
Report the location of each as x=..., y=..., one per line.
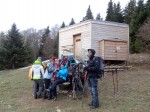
x=114, y=50
x=66, y=37
x=94, y=35
x=107, y=31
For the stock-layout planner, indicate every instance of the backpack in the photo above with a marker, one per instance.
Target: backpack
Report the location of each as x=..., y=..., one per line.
x=30, y=76
x=49, y=68
x=101, y=66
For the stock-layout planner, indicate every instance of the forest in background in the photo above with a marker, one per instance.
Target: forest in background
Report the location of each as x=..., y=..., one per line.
x=21, y=48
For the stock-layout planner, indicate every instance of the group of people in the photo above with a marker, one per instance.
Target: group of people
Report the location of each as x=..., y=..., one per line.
x=48, y=76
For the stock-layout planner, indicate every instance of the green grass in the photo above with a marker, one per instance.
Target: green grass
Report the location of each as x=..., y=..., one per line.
x=133, y=94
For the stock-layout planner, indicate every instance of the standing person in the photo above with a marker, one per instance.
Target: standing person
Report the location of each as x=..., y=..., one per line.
x=92, y=78
x=38, y=73
x=46, y=81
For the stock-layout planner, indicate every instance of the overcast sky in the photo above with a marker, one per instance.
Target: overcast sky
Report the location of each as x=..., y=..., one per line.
x=41, y=13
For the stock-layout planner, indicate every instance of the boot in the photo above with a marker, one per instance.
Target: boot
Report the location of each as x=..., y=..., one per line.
x=94, y=107
x=90, y=104
x=44, y=94
x=50, y=95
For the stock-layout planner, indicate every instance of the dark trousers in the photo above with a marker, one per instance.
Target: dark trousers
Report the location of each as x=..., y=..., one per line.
x=47, y=83
x=53, y=92
x=93, y=83
x=38, y=92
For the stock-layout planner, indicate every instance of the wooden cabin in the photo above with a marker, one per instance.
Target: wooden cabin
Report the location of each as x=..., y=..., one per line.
x=114, y=49
x=109, y=39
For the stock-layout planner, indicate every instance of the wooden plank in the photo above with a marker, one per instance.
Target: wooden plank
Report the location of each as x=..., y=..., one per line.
x=66, y=36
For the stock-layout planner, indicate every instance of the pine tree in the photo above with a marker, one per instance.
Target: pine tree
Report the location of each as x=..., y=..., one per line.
x=2, y=35
x=89, y=14
x=115, y=13
x=72, y=22
x=148, y=9
x=138, y=18
x=29, y=54
x=63, y=25
x=110, y=12
x=13, y=53
x=98, y=17
x=119, y=15
x=43, y=40
x=48, y=48
x=56, y=44
x=129, y=10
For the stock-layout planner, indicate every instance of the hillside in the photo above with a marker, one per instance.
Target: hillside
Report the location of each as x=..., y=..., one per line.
x=133, y=94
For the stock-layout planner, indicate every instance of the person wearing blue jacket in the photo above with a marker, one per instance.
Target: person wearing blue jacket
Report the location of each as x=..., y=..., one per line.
x=61, y=78
x=71, y=61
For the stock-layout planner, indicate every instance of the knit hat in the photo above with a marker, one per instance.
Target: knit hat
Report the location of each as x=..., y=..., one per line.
x=39, y=58
x=53, y=58
x=70, y=57
x=37, y=62
x=92, y=50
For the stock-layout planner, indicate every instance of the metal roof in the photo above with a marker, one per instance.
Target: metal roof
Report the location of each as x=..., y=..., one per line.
x=94, y=22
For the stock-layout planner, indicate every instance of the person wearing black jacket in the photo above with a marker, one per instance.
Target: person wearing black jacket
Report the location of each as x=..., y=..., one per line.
x=92, y=78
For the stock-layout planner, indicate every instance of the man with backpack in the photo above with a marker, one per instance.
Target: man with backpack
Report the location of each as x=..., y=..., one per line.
x=92, y=77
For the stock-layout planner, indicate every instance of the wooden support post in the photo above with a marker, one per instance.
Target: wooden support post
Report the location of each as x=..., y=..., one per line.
x=113, y=81
x=116, y=78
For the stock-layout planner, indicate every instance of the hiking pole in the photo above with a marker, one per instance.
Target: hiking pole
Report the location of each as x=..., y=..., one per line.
x=73, y=69
x=73, y=91
x=82, y=96
x=85, y=78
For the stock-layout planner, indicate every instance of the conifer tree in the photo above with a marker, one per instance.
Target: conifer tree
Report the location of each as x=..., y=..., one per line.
x=110, y=11
x=63, y=25
x=45, y=35
x=89, y=14
x=119, y=15
x=128, y=11
x=13, y=53
x=72, y=22
x=98, y=17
